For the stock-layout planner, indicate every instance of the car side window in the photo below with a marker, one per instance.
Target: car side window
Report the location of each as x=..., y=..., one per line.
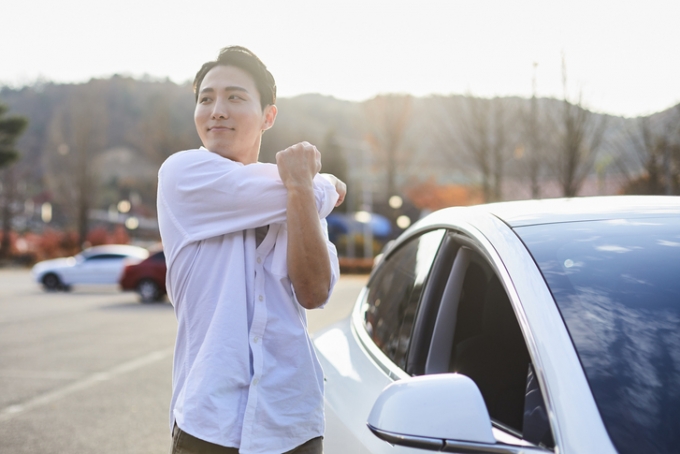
x=488, y=346
x=105, y=257
x=394, y=292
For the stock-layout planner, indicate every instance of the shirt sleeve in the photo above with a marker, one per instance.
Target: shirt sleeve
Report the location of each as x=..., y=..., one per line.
x=207, y=195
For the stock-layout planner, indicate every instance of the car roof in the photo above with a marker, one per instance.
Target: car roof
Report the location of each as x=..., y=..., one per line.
x=550, y=211
x=125, y=249
x=523, y=213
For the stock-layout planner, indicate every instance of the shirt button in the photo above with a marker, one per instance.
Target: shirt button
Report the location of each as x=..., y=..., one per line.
x=255, y=382
x=259, y=260
x=256, y=340
x=261, y=298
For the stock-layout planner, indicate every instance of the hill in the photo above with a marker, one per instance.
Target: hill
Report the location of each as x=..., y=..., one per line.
x=90, y=145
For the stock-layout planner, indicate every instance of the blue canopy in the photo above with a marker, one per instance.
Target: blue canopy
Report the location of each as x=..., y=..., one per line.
x=341, y=223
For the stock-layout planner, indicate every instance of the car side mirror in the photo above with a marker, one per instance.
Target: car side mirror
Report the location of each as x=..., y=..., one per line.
x=441, y=412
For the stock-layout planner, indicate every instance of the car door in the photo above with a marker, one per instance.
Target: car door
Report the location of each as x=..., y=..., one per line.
x=102, y=268
x=474, y=331
x=363, y=355
x=451, y=316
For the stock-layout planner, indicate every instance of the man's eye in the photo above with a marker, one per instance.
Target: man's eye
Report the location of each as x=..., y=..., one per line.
x=237, y=97
x=204, y=100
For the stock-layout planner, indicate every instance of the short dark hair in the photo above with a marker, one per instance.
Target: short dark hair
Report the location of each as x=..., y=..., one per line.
x=244, y=59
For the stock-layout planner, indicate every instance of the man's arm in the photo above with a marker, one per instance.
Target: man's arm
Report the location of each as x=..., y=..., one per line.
x=308, y=262
x=205, y=195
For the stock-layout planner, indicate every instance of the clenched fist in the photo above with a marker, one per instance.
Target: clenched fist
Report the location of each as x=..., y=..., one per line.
x=298, y=164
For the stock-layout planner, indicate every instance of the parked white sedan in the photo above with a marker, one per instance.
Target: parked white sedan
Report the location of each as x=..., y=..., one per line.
x=535, y=326
x=95, y=265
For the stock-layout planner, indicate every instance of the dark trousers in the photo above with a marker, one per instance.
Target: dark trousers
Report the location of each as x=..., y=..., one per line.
x=183, y=443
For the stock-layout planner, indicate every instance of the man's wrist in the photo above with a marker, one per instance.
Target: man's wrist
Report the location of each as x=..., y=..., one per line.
x=300, y=187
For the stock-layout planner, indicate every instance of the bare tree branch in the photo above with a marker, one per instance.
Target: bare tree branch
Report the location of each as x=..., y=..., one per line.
x=582, y=135
x=387, y=120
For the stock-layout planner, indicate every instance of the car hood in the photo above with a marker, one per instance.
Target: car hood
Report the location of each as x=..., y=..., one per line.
x=54, y=264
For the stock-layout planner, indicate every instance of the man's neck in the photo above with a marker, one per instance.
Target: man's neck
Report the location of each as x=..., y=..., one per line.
x=245, y=160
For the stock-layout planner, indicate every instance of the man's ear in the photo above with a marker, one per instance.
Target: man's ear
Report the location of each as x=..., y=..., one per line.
x=270, y=112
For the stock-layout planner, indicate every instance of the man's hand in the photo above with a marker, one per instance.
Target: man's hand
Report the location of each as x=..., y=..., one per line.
x=340, y=187
x=298, y=165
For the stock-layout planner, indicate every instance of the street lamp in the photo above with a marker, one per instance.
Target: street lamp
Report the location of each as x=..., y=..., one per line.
x=362, y=216
x=396, y=202
x=124, y=206
x=46, y=212
x=403, y=221
x=132, y=223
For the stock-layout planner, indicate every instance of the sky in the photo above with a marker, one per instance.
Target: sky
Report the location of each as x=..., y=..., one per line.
x=622, y=57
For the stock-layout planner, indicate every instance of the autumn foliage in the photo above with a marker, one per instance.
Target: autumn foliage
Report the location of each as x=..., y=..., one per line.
x=28, y=248
x=428, y=195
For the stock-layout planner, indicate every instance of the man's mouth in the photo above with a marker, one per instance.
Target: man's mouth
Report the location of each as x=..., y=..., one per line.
x=220, y=128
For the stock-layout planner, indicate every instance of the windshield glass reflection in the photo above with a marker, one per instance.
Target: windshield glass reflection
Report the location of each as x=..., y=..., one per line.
x=617, y=285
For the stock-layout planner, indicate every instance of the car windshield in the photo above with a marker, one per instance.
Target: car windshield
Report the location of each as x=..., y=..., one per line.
x=617, y=286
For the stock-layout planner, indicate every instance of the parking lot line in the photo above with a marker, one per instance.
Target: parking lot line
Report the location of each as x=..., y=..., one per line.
x=86, y=382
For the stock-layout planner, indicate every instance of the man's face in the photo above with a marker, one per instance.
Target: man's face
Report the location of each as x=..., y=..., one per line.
x=228, y=115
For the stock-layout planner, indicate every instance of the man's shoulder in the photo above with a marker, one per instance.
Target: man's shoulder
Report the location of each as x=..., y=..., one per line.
x=182, y=158
x=195, y=160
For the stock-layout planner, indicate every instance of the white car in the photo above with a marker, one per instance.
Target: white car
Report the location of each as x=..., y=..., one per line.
x=533, y=326
x=95, y=265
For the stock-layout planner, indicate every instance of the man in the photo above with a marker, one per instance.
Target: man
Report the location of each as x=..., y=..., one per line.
x=247, y=252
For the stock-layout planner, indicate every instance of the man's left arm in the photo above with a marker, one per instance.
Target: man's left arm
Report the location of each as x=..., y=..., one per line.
x=308, y=261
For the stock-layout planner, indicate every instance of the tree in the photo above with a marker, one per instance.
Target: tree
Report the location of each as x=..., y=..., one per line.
x=334, y=161
x=657, y=153
x=164, y=126
x=11, y=127
x=532, y=138
x=581, y=136
x=476, y=139
x=10, y=130
x=77, y=133
x=499, y=148
x=482, y=133
x=388, y=118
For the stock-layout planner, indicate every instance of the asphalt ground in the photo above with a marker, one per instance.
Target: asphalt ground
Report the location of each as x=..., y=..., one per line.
x=89, y=371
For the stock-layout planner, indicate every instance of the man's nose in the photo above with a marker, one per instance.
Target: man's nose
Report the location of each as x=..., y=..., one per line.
x=220, y=110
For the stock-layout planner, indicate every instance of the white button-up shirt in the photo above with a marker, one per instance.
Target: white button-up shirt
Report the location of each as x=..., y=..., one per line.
x=245, y=374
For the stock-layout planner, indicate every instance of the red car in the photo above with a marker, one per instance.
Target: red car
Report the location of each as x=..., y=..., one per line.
x=146, y=278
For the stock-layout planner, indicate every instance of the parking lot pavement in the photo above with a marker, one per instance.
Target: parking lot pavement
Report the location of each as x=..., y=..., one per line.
x=340, y=304
x=90, y=370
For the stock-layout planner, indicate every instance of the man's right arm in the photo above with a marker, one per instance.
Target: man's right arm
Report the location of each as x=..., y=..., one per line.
x=208, y=195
